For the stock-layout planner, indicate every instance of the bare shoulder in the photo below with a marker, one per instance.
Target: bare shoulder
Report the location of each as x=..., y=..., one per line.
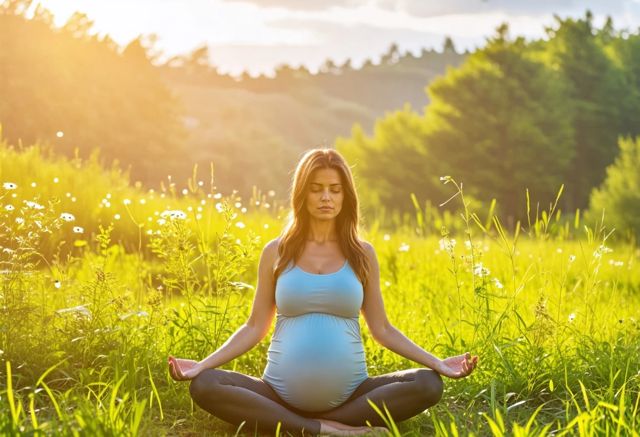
x=369, y=249
x=270, y=250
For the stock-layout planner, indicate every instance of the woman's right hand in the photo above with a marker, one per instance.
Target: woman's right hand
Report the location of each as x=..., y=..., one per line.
x=183, y=370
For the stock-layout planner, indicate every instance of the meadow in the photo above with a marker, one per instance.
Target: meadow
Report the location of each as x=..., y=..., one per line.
x=101, y=279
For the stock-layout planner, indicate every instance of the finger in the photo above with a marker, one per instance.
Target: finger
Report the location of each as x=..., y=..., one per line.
x=172, y=371
x=178, y=376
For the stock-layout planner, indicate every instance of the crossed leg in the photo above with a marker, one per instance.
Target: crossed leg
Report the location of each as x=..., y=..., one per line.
x=235, y=397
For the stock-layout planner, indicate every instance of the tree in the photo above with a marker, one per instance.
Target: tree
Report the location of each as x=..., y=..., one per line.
x=619, y=194
x=598, y=97
x=393, y=162
x=448, y=46
x=500, y=124
x=391, y=56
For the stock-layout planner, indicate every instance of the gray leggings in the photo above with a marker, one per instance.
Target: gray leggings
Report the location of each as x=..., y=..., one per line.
x=236, y=398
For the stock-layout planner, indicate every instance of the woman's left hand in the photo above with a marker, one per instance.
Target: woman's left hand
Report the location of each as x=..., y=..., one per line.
x=458, y=366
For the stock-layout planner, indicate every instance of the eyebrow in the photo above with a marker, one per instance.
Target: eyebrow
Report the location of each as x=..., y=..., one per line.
x=318, y=183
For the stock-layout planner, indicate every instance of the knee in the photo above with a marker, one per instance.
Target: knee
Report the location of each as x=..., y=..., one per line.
x=205, y=383
x=429, y=386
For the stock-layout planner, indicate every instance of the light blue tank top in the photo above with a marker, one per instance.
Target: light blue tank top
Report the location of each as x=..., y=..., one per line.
x=316, y=359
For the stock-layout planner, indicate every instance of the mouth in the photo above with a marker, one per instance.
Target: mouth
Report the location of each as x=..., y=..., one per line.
x=326, y=208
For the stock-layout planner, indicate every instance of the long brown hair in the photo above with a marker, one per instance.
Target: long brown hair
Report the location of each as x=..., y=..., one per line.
x=294, y=235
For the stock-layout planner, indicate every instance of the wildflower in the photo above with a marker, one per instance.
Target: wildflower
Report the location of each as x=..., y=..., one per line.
x=189, y=208
x=240, y=225
x=238, y=204
x=447, y=244
x=68, y=194
x=67, y=217
x=200, y=183
x=78, y=229
x=143, y=201
x=73, y=199
x=185, y=191
x=605, y=249
x=266, y=225
x=127, y=201
x=116, y=217
x=199, y=209
x=33, y=205
x=266, y=205
x=19, y=220
x=271, y=193
x=602, y=249
x=572, y=258
x=387, y=283
x=174, y=214
x=386, y=237
x=480, y=270
x=497, y=283
x=198, y=216
x=257, y=203
x=404, y=247
x=161, y=222
x=56, y=180
x=59, y=134
x=9, y=186
x=9, y=207
x=243, y=210
x=445, y=179
x=468, y=244
x=572, y=317
x=179, y=215
x=108, y=196
x=217, y=196
x=57, y=283
x=559, y=250
x=33, y=185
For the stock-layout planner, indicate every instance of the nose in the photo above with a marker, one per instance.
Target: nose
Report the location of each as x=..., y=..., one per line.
x=325, y=195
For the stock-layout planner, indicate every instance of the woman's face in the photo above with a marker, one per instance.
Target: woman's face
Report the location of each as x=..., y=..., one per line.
x=325, y=194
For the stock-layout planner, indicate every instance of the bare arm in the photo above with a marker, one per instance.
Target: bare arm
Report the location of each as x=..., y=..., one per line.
x=391, y=338
x=250, y=333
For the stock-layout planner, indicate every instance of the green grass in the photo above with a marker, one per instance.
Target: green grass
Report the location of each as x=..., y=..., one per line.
x=88, y=320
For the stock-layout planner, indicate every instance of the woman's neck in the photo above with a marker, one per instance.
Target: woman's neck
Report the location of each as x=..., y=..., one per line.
x=322, y=231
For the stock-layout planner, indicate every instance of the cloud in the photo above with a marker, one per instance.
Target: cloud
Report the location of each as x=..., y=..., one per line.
x=331, y=41
x=304, y=5
x=433, y=8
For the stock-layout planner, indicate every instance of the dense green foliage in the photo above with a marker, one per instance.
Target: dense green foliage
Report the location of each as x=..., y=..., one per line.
x=76, y=90
x=604, y=101
x=516, y=115
x=84, y=337
x=619, y=195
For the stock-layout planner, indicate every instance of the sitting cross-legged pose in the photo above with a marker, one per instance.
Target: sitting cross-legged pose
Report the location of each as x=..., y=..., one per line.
x=316, y=278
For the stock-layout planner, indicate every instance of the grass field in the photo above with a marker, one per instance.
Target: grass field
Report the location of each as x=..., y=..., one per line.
x=101, y=280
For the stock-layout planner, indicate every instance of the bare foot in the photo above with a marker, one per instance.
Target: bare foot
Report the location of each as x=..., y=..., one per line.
x=331, y=427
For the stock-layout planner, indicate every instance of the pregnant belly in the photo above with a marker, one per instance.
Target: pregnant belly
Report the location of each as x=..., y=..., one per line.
x=316, y=360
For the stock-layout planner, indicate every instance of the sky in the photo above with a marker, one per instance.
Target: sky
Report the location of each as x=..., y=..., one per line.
x=258, y=35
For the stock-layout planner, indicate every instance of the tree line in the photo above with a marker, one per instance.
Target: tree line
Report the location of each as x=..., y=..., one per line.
x=517, y=115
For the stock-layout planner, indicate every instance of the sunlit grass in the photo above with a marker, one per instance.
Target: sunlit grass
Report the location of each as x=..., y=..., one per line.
x=89, y=315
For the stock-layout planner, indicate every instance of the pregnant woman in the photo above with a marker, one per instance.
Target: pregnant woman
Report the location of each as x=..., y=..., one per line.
x=316, y=278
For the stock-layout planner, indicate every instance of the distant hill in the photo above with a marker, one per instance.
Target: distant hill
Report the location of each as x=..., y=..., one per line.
x=237, y=123
x=74, y=90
